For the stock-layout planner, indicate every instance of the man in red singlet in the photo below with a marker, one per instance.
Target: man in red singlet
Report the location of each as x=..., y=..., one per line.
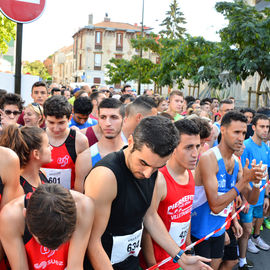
x=47, y=228
x=175, y=189
x=66, y=143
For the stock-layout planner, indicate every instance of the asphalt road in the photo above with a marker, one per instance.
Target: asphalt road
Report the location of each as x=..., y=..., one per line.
x=261, y=260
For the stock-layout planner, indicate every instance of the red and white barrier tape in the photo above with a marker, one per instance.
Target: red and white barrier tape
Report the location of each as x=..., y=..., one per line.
x=209, y=235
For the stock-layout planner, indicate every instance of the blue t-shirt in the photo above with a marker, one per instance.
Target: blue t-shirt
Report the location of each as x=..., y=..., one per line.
x=90, y=122
x=259, y=153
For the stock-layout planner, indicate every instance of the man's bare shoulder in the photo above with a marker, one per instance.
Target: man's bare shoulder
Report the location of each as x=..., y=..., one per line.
x=208, y=161
x=12, y=213
x=10, y=157
x=84, y=204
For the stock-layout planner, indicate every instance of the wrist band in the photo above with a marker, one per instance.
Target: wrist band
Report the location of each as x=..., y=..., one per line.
x=178, y=256
x=237, y=191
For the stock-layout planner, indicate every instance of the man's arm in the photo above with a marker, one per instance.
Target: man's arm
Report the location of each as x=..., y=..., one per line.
x=208, y=168
x=100, y=185
x=159, y=233
x=10, y=175
x=83, y=166
x=11, y=231
x=81, y=235
x=147, y=244
x=81, y=143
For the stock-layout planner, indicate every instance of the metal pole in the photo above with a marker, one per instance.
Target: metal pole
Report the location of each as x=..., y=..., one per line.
x=141, y=50
x=18, y=66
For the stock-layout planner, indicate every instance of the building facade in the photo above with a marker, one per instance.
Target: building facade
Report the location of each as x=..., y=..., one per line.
x=95, y=44
x=62, y=66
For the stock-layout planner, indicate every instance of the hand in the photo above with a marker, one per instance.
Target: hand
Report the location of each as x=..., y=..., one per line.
x=255, y=174
x=237, y=229
x=194, y=262
x=265, y=205
x=246, y=209
x=238, y=202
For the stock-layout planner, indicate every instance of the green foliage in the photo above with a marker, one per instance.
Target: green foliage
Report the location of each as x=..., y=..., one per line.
x=246, y=41
x=173, y=22
x=7, y=32
x=36, y=68
x=119, y=70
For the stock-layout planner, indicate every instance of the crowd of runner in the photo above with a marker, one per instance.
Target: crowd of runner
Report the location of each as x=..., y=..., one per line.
x=91, y=178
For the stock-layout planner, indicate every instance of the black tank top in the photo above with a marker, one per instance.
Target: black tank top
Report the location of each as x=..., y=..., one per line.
x=128, y=208
x=28, y=187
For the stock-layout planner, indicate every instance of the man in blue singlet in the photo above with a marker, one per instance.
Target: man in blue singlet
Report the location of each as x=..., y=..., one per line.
x=219, y=179
x=111, y=113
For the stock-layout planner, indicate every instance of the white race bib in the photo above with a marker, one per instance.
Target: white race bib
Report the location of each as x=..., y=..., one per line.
x=178, y=232
x=59, y=176
x=125, y=246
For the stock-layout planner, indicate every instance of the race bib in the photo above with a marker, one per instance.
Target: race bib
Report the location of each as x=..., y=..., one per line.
x=125, y=246
x=178, y=232
x=59, y=176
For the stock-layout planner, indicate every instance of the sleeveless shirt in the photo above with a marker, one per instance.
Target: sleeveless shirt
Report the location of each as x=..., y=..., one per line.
x=61, y=170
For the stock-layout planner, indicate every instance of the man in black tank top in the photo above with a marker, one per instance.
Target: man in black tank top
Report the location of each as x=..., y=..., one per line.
x=122, y=185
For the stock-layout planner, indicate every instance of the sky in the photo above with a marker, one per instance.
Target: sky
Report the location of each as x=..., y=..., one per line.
x=61, y=19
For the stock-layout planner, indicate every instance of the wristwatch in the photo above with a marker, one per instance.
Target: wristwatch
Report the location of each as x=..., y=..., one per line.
x=257, y=185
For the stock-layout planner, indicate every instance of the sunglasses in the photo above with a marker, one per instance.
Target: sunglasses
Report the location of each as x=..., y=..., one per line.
x=9, y=112
x=105, y=91
x=37, y=105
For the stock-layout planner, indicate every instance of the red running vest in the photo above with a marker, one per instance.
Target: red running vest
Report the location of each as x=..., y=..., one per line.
x=175, y=212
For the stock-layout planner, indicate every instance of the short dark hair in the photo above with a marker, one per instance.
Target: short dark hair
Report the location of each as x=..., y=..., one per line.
x=157, y=133
x=39, y=83
x=187, y=126
x=55, y=89
x=83, y=105
x=257, y=117
x=57, y=106
x=189, y=99
x=264, y=110
x=214, y=98
x=204, y=127
x=176, y=93
x=244, y=110
x=2, y=92
x=232, y=116
x=124, y=88
x=124, y=97
x=206, y=100
x=225, y=101
x=142, y=104
x=11, y=99
x=112, y=103
x=94, y=95
x=51, y=215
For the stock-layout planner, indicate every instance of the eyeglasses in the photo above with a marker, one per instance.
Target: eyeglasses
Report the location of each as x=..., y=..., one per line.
x=37, y=105
x=105, y=91
x=9, y=112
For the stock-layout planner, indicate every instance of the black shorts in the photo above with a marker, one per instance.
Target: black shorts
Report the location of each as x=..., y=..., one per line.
x=213, y=248
x=230, y=251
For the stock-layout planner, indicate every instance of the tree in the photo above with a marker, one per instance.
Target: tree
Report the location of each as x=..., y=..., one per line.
x=36, y=68
x=7, y=32
x=119, y=70
x=245, y=41
x=173, y=22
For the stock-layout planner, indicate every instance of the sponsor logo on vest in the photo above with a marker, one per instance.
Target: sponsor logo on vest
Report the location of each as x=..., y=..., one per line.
x=63, y=161
x=44, y=264
x=46, y=251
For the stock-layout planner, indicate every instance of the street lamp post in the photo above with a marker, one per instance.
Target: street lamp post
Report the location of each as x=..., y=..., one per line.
x=141, y=50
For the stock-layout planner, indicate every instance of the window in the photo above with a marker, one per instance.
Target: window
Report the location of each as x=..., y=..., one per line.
x=97, y=80
x=119, y=41
x=97, y=61
x=98, y=40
